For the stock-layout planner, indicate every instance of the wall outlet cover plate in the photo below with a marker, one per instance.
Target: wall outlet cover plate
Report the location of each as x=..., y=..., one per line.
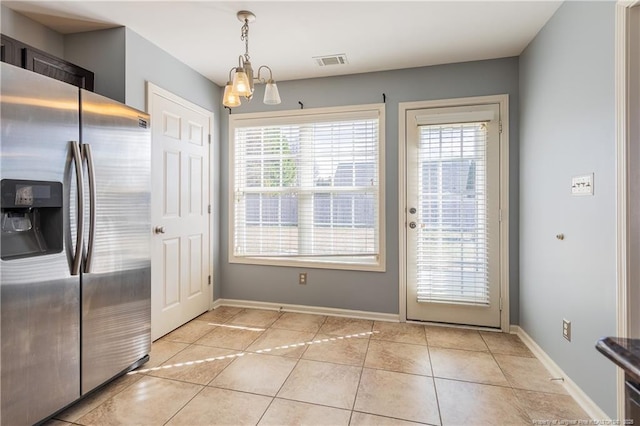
x=582, y=185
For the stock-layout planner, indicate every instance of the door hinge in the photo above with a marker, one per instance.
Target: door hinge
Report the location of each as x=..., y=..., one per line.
x=209, y=280
x=500, y=126
x=210, y=135
x=209, y=209
x=501, y=303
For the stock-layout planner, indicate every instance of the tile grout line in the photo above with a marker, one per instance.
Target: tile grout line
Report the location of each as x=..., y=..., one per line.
x=290, y=372
x=283, y=382
x=520, y=404
x=185, y=404
x=245, y=351
x=366, y=352
x=433, y=376
x=203, y=386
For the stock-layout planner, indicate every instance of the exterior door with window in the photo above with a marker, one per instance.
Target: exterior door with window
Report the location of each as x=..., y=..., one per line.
x=453, y=215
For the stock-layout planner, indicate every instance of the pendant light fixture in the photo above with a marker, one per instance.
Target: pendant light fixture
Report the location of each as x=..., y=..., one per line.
x=241, y=79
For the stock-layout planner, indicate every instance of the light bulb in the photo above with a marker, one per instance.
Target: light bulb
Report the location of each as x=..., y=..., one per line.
x=241, y=86
x=230, y=99
x=271, y=95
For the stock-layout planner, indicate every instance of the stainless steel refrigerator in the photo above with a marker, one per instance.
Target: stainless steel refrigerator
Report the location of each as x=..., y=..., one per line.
x=75, y=243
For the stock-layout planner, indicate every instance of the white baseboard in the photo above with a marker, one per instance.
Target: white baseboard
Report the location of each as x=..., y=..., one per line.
x=304, y=309
x=587, y=404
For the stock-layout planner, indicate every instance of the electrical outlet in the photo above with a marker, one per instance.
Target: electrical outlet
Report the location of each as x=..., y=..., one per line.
x=566, y=329
x=302, y=278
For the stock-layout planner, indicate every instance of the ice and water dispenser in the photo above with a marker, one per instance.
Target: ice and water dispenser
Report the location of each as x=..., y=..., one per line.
x=31, y=218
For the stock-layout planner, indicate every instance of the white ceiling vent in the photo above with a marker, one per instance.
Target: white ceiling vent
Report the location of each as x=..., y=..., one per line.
x=339, y=59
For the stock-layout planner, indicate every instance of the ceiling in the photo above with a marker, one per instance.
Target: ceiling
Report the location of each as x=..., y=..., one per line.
x=374, y=35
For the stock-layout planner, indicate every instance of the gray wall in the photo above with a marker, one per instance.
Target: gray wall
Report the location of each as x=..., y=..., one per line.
x=369, y=291
x=102, y=52
x=147, y=62
x=122, y=62
x=567, y=129
x=30, y=32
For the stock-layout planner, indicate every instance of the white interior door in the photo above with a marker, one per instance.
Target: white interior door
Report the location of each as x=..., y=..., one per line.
x=453, y=215
x=181, y=221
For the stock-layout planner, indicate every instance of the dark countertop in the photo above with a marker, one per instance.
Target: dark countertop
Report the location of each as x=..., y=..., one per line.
x=623, y=352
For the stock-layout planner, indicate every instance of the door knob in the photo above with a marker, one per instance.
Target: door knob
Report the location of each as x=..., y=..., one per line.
x=159, y=230
x=412, y=225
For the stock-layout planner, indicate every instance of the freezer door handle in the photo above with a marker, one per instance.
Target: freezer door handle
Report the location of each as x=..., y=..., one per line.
x=86, y=154
x=77, y=160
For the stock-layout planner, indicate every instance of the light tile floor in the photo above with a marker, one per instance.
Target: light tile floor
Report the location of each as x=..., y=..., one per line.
x=235, y=366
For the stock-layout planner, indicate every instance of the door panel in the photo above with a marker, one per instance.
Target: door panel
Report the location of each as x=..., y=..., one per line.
x=181, y=264
x=453, y=196
x=195, y=265
x=196, y=179
x=172, y=125
x=171, y=184
x=196, y=133
x=171, y=263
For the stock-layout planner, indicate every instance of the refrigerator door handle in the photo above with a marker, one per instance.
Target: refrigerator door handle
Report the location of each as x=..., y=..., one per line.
x=86, y=153
x=77, y=160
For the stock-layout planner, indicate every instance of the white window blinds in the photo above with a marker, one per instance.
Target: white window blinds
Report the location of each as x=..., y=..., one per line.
x=453, y=241
x=308, y=190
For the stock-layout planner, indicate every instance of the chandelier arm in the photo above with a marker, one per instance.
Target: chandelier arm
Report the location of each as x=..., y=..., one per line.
x=262, y=80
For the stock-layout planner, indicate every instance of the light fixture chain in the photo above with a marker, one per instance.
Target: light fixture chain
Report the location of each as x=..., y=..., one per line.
x=245, y=37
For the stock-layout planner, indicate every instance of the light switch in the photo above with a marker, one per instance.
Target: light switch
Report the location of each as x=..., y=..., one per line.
x=582, y=185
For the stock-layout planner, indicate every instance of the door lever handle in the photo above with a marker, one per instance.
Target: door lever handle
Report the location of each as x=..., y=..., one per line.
x=159, y=230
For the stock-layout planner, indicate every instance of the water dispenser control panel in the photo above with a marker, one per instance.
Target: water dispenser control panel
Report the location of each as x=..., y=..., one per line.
x=30, y=193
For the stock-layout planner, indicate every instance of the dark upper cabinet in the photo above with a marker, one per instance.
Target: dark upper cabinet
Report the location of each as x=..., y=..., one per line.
x=45, y=64
x=25, y=56
x=11, y=51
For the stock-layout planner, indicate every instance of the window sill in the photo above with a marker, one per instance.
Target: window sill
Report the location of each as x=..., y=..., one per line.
x=310, y=263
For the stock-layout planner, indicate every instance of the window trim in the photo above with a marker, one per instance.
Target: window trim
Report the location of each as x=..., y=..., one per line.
x=294, y=117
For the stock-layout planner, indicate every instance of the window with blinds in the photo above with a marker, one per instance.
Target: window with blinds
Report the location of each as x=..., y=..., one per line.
x=452, y=247
x=307, y=188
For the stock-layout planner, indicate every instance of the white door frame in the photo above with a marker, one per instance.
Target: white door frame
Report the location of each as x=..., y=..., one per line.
x=153, y=89
x=626, y=290
x=403, y=107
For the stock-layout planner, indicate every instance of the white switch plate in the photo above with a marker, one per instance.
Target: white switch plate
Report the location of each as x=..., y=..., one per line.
x=582, y=185
x=566, y=329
